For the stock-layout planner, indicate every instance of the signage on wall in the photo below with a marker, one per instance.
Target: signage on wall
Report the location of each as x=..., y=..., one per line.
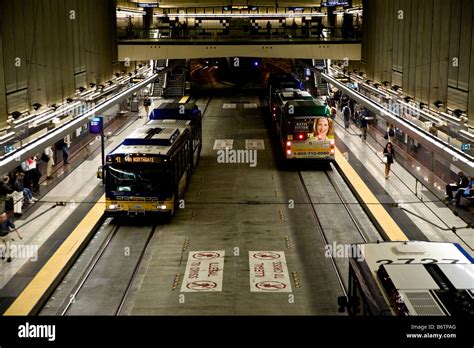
x=96, y=125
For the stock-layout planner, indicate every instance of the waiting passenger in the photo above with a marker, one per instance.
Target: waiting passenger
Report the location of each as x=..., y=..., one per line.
x=269, y=28
x=463, y=181
x=389, y=158
x=364, y=125
x=464, y=192
x=346, y=111
x=48, y=157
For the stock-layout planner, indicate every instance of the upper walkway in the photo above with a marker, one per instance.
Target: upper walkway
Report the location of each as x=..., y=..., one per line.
x=275, y=45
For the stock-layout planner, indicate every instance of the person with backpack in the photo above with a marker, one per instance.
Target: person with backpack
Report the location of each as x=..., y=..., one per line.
x=346, y=111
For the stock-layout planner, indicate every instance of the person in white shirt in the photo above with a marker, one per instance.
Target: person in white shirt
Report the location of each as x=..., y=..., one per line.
x=48, y=152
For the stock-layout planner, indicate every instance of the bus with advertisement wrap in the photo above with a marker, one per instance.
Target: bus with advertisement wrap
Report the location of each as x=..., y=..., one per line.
x=303, y=125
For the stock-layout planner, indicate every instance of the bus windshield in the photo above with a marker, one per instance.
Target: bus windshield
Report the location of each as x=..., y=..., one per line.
x=132, y=179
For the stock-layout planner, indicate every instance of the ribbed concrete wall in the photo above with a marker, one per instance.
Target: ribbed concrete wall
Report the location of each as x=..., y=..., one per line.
x=417, y=49
x=58, y=50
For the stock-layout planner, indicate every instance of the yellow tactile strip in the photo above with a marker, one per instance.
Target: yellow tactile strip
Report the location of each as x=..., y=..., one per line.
x=26, y=303
x=386, y=225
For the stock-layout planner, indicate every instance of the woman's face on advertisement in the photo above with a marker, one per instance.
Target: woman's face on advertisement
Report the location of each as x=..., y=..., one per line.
x=322, y=126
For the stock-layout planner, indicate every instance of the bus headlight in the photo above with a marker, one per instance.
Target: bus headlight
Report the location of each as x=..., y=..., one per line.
x=163, y=207
x=113, y=206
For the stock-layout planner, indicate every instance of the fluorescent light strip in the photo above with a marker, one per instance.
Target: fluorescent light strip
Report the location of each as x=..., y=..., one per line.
x=9, y=160
x=37, y=122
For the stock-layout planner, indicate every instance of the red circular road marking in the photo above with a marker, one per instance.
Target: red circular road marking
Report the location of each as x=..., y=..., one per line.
x=206, y=255
x=201, y=285
x=270, y=286
x=266, y=255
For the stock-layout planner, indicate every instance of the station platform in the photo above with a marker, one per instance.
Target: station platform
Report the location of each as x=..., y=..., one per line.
x=233, y=206
x=420, y=210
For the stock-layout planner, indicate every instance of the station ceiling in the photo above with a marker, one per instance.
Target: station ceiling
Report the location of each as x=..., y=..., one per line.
x=216, y=3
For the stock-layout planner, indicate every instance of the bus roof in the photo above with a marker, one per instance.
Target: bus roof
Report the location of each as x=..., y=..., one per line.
x=151, y=140
x=175, y=111
x=294, y=94
x=306, y=108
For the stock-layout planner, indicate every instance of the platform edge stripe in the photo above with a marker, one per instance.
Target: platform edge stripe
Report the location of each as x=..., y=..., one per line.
x=44, y=282
x=377, y=213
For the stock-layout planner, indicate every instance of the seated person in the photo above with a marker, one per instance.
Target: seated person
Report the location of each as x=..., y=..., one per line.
x=463, y=181
x=464, y=192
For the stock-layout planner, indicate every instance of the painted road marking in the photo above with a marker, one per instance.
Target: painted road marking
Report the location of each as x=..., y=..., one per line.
x=254, y=144
x=204, y=271
x=222, y=144
x=268, y=272
x=250, y=106
x=228, y=106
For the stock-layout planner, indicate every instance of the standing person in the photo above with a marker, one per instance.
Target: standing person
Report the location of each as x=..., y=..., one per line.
x=269, y=28
x=333, y=112
x=346, y=111
x=147, y=104
x=389, y=133
x=48, y=157
x=62, y=145
x=320, y=30
x=389, y=157
x=5, y=190
x=35, y=174
x=364, y=125
x=463, y=181
x=294, y=26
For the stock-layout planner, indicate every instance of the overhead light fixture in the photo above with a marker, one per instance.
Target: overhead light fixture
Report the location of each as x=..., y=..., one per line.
x=81, y=89
x=396, y=87
x=368, y=82
x=377, y=85
x=458, y=112
x=438, y=103
x=91, y=85
x=69, y=100
x=385, y=83
x=361, y=73
x=355, y=71
x=16, y=115
x=54, y=107
x=422, y=105
x=407, y=99
x=110, y=83
x=36, y=106
x=117, y=74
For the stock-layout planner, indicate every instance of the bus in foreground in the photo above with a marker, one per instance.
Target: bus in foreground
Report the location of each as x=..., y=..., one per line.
x=410, y=278
x=148, y=173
